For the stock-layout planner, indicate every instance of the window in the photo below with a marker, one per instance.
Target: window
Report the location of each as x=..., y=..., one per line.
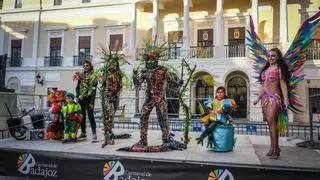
x=15, y=60
x=55, y=58
x=205, y=37
x=86, y=1
x=116, y=42
x=84, y=50
x=18, y=4
x=236, y=46
x=314, y=99
x=175, y=37
x=57, y=2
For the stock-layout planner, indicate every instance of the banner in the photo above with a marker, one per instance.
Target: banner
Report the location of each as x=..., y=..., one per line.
x=63, y=165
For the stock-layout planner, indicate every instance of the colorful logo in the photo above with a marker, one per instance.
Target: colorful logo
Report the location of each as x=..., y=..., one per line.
x=220, y=174
x=25, y=162
x=112, y=170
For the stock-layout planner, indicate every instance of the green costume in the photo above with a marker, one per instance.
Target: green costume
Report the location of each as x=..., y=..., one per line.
x=70, y=112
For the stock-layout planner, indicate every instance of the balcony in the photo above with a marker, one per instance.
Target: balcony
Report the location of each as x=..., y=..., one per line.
x=235, y=50
x=78, y=60
x=53, y=61
x=201, y=51
x=14, y=61
x=313, y=52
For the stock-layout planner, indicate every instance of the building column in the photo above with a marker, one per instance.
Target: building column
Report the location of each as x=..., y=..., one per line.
x=186, y=6
x=155, y=18
x=219, y=33
x=255, y=13
x=133, y=27
x=283, y=22
x=1, y=37
x=35, y=46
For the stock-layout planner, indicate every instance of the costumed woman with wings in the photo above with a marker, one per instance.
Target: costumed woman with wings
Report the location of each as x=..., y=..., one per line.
x=279, y=76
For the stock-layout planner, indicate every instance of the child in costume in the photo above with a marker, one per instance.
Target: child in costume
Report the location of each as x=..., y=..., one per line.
x=218, y=114
x=72, y=116
x=55, y=127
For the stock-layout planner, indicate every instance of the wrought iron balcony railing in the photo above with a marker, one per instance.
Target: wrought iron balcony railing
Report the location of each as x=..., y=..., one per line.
x=313, y=52
x=14, y=61
x=235, y=50
x=201, y=51
x=53, y=60
x=78, y=60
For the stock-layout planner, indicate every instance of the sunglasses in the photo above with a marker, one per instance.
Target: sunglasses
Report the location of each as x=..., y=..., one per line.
x=86, y=65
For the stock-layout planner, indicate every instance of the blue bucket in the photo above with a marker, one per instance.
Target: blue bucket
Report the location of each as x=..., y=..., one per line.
x=224, y=137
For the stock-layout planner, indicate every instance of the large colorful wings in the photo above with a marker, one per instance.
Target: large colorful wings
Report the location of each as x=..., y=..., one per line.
x=258, y=50
x=296, y=56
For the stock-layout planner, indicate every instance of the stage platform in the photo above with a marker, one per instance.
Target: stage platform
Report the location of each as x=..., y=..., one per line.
x=247, y=161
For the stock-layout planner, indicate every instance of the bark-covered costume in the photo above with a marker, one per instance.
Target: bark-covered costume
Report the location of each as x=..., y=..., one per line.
x=156, y=77
x=86, y=93
x=55, y=127
x=114, y=89
x=109, y=77
x=72, y=119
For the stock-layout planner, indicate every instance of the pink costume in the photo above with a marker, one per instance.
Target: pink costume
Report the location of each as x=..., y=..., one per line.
x=269, y=98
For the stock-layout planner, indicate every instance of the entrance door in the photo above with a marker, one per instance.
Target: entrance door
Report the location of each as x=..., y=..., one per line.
x=237, y=90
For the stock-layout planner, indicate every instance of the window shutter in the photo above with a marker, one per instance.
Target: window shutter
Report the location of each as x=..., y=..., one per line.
x=16, y=43
x=55, y=42
x=84, y=42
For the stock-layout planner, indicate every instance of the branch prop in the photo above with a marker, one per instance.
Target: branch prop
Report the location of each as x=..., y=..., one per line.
x=186, y=108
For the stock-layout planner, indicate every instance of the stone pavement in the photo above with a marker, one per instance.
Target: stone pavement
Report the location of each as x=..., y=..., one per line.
x=249, y=151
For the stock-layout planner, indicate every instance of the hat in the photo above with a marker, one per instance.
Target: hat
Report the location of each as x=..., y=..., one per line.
x=70, y=94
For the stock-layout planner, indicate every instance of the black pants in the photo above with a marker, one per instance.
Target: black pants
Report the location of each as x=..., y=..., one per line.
x=85, y=106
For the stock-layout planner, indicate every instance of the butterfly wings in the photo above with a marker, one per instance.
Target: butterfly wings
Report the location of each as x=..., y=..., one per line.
x=258, y=50
x=295, y=57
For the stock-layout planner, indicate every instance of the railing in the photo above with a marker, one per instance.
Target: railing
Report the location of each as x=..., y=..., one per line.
x=78, y=60
x=14, y=61
x=271, y=45
x=201, y=51
x=53, y=60
x=235, y=50
x=314, y=50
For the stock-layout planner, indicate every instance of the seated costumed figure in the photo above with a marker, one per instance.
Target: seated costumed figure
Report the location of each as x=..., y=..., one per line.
x=55, y=127
x=217, y=115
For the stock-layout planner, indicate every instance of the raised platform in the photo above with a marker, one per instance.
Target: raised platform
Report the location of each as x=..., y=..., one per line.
x=86, y=160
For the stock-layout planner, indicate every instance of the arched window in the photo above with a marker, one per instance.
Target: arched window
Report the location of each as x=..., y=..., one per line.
x=237, y=90
x=203, y=90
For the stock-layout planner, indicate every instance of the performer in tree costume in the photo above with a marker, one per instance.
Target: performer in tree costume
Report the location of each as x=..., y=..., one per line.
x=55, y=127
x=110, y=78
x=72, y=118
x=219, y=114
x=114, y=89
x=279, y=76
x=156, y=77
x=86, y=94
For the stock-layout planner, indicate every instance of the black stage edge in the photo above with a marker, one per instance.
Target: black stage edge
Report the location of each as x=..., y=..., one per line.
x=36, y=164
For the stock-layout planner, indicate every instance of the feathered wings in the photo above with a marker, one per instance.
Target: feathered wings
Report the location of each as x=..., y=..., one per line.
x=258, y=50
x=295, y=57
